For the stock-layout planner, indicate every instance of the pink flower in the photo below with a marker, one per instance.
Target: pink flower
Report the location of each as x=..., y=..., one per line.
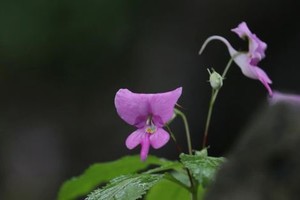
x=148, y=113
x=285, y=98
x=247, y=61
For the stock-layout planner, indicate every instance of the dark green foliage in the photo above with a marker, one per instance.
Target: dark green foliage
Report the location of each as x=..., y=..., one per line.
x=202, y=166
x=166, y=189
x=103, y=172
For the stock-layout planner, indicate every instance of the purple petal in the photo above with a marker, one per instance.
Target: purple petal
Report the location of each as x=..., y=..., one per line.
x=135, y=138
x=242, y=30
x=162, y=106
x=254, y=72
x=145, y=147
x=243, y=61
x=248, y=62
x=256, y=46
x=159, y=138
x=264, y=79
x=282, y=97
x=262, y=75
x=132, y=108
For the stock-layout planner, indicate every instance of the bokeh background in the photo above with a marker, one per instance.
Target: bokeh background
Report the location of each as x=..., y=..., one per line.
x=61, y=63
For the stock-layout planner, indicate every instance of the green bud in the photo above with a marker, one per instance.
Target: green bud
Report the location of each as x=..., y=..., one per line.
x=215, y=79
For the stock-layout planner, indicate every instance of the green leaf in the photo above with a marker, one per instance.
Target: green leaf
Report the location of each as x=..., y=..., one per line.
x=103, y=172
x=202, y=166
x=200, y=192
x=168, y=165
x=127, y=187
x=167, y=190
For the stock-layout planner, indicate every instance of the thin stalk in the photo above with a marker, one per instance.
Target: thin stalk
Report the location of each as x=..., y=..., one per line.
x=194, y=186
x=173, y=166
x=187, y=130
x=228, y=66
x=210, y=109
x=179, y=149
x=214, y=95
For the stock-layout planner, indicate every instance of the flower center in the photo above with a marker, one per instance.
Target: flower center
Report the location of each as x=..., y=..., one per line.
x=150, y=127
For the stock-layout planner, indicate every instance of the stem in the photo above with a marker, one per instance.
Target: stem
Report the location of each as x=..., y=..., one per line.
x=228, y=66
x=179, y=149
x=187, y=130
x=211, y=105
x=194, y=186
x=214, y=95
x=173, y=166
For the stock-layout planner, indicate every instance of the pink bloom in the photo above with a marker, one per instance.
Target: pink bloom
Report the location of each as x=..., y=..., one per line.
x=247, y=61
x=285, y=98
x=148, y=113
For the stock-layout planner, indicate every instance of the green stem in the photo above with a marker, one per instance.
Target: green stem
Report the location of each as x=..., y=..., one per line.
x=174, y=139
x=228, y=66
x=194, y=186
x=211, y=105
x=187, y=130
x=214, y=95
x=173, y=166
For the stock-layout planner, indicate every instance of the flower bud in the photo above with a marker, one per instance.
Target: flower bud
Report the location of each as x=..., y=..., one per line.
x=215, y=79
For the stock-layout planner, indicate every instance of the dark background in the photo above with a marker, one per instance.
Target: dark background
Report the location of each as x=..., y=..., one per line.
x=61, y=63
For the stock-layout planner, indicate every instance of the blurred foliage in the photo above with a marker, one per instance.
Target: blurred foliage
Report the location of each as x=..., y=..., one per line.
x=64, y=39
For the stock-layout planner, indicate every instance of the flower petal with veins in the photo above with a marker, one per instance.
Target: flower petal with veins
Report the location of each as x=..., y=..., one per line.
x=135, y=138
x=149, y=113
x=159, y=139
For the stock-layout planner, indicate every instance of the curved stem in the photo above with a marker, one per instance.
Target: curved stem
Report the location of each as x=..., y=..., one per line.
x=214, y=95
x=179, y=149
x=216, y=37
x=187, y=130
